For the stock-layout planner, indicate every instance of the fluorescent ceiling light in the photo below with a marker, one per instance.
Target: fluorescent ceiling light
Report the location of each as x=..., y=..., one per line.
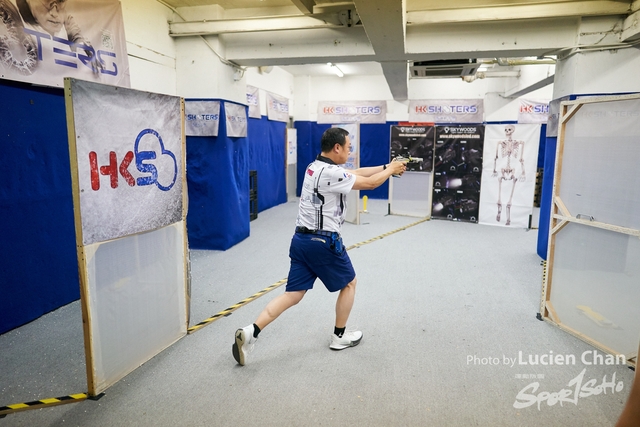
x=335, y=69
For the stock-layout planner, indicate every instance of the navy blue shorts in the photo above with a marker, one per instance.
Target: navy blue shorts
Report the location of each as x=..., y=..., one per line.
x=312, y=257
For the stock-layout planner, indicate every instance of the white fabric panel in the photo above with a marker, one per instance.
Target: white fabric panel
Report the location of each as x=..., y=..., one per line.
x=135, y=139
x=202, y=118
x=492, y=189
x=600, y=177
x=277, y=107
x=596, y=285
x=137, y=300
x=446, y=111
x=352, y=112
x=236, y=119
x=410, y=194
x=292, y=146
x=533, y=111
x=253, y=101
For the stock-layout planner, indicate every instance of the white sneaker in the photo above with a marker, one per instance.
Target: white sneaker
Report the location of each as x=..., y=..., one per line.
x=244, y=344
x=348, y=339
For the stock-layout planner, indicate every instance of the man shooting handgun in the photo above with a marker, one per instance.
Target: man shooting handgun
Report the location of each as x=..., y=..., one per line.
x=407, y=160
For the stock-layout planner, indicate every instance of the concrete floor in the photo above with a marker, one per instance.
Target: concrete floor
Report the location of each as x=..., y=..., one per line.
x=446, y=309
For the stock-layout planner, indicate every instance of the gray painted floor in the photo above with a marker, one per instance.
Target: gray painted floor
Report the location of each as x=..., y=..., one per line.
x=436, y=302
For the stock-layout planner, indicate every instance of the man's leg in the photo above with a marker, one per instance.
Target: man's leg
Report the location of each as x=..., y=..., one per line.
x=247, y=336
x=341, y=339
x=345, y=303
x=277, y=306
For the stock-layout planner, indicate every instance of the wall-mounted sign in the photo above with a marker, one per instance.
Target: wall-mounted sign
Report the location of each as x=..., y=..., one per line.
x=446, y=111
x=352, y=112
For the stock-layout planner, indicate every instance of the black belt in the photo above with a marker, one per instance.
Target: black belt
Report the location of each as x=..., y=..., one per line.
x=305, y=230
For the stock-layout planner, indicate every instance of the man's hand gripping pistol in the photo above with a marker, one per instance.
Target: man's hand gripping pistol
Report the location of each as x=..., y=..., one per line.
x=405, y=160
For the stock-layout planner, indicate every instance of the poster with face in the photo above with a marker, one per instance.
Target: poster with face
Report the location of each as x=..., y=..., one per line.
x=43, y=41
x=509, y=174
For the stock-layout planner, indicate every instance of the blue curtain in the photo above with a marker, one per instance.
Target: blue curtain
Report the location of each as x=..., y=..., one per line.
x=39, y=266
x=375, y=148
x=308, y=146
x=546, y=196
x=218, y=187
x=267, y=145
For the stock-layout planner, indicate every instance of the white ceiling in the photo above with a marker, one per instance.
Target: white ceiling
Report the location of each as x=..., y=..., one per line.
x=366, y=37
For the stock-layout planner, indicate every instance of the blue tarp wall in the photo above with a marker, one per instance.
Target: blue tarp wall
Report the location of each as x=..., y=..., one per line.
x=218, y=181
x=38, y=266
x=374, y=150
x=267, y=151
x=546, y=195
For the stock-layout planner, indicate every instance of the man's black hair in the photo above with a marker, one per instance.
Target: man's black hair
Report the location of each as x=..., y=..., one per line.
x=25, y=11
x=331, y=137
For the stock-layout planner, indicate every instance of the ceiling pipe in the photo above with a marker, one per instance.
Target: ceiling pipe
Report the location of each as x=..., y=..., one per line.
x=488, y=74
x=510, y=62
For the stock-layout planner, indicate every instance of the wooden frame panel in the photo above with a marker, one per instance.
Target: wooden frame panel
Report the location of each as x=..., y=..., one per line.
x=84, y=253
x=561, y=216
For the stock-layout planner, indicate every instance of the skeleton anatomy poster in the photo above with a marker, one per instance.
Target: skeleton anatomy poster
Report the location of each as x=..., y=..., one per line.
x=509, y=174
x=415, y=142
x=456, y=172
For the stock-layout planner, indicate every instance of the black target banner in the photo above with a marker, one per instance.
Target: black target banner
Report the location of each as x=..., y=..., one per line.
x=457, y=172
x=413, y=142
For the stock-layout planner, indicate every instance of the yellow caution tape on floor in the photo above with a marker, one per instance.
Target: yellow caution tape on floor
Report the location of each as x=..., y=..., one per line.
x=54, y=401
x=228, y=311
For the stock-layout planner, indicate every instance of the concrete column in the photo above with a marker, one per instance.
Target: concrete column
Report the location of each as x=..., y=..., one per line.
x=599, y=63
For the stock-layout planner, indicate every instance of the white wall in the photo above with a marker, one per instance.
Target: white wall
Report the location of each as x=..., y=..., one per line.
x=311, y=89
x=189, y=67
x=308, y=90
x=598, y=72
x=201, y=73
x=151, y=52
x=276, y=81
x=185, y=67
x=592, y=70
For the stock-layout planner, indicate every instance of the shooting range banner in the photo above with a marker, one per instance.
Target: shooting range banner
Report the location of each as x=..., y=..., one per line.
x=414, y=141
x=533, y=112
x=128, y=160
x=457, y=172
x=236, y=119
x=509, y=174
x=202, y=118
x=352, y=112
x=446, y=111
x=292, y=146
x=253, y=101
x=277, y=108
x=554, y=116
x=84, y=39
x=353, y=161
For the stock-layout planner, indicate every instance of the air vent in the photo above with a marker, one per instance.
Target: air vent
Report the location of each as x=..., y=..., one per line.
x=444, y=68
